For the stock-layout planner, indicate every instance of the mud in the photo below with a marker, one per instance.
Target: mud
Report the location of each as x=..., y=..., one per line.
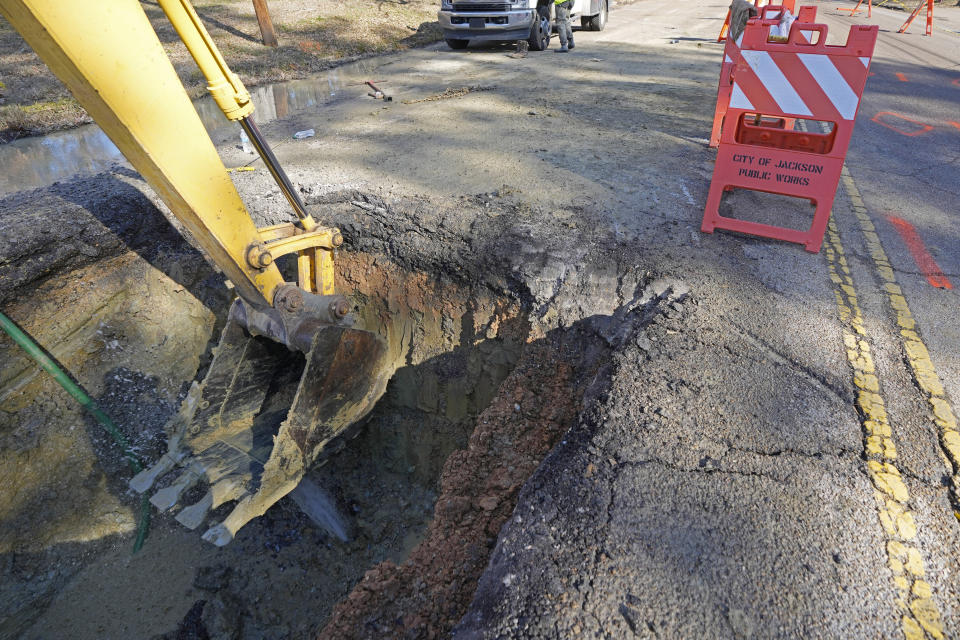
x=127, y=308
x=92, y=294
x=506, y=303
x=130, y=325
x=427, y=594
x=484, y=391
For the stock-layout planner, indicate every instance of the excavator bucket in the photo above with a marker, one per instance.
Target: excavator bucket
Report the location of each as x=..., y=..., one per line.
x=261, y=417
x=263, y=414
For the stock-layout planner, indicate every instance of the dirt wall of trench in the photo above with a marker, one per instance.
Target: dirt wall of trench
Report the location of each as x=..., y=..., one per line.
x=500, y=341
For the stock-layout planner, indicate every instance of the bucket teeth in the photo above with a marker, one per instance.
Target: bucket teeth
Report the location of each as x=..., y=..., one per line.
x=321, y=508
x=258, y=421
x=220, y=492
x=230, y=488
x=218, y=535
x=226, y=490
x=192, y=516
x=145, y=479
x=165, y=499
x=251, y=506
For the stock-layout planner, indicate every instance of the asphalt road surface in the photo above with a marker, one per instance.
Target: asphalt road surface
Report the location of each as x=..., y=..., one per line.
x=776, y=453
x=782, y=461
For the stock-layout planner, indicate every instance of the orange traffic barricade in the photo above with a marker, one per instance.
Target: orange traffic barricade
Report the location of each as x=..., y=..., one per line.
x=731, y=54
x=776, y=82
x=929, y=30
x=853, y=11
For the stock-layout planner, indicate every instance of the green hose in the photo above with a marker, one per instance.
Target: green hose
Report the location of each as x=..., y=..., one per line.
x=51, y=367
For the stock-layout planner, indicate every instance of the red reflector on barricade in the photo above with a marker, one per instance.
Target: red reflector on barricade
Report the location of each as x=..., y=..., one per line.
x=774, y=84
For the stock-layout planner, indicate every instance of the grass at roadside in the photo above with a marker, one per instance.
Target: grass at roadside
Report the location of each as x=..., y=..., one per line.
x=313, y=35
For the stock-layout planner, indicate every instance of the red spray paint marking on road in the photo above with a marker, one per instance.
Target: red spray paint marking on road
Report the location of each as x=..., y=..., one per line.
x=924, y=128
x=956, y=124
x=902, y=77
x=921, y=256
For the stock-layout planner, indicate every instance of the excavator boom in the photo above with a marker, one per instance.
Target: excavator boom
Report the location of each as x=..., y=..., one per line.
x=226, y=432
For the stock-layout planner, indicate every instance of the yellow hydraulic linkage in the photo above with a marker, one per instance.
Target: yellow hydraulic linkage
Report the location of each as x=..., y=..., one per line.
x=109, y=57
x=313, y=244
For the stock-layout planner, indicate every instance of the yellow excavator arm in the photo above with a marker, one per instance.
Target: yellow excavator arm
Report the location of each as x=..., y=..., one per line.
x=109, y=57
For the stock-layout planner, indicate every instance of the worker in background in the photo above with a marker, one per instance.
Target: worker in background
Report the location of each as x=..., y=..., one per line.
x=740, y=12
x=562, y=12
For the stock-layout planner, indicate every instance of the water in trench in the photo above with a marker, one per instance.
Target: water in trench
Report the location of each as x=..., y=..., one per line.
x=36, y=162
x=283, y=573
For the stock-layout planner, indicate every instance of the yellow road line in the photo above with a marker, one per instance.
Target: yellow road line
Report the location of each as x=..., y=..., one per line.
x=921, y=367
x=920, y=616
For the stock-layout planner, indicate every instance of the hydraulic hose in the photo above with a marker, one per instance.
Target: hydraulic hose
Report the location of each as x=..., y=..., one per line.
x=47, y=364
x=279, y=175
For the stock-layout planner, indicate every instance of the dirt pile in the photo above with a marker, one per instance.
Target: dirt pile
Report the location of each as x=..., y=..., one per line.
x=427, y=594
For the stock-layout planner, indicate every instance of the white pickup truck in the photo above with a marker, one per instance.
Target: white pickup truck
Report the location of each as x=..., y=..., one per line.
x=531, y=20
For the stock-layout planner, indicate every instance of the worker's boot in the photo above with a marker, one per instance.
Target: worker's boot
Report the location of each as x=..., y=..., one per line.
x=570, y=44
x=562, y=49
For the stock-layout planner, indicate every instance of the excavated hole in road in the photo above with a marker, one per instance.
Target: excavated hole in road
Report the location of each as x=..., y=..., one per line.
x=453, y=344
x=134, y=327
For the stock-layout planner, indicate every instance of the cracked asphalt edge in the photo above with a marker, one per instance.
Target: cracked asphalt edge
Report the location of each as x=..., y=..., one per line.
x=562, y=564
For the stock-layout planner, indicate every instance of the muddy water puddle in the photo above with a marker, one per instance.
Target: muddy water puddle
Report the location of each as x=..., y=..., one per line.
x=453, y=346
x=32, y=163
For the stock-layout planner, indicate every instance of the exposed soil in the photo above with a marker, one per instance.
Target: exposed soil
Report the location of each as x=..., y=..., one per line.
x=530, y=288
x=515, y=273
x=312, y=36
x=428, y=593
x=496, y=270
x=462, y=323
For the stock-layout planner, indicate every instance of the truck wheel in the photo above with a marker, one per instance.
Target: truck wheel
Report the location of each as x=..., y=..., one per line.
x=597, y=22
x=457, y=43
x=540, y=32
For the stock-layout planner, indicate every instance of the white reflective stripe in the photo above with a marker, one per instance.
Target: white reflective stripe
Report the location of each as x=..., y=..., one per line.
x=740, y=41
x=738, y=100
x=807, y=35
x=833, y=84
x=775, y=82
x=770, y=14
x=865, y=61
x=727, y=59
